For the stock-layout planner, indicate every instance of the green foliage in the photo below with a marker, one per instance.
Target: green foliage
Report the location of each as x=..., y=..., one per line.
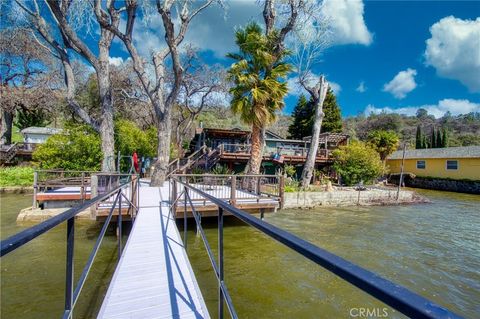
x=129, y=138
x=357, y=162
x=462, y=130
x=290, y=170
x=384, y=142
x=257, y=75
x=304, y=115
x=221, y=170
x=332, y=122
x=419, y=138
x=302, y=119
x=16, y=176
x=78, y=147
x=35, y=117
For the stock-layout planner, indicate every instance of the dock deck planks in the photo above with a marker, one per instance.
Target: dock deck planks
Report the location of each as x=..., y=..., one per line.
x=154, y=278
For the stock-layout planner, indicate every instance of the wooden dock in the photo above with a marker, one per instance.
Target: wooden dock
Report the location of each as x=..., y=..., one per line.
x=154, y=278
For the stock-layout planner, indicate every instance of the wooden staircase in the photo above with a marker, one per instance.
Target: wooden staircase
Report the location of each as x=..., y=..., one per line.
x=8, y=154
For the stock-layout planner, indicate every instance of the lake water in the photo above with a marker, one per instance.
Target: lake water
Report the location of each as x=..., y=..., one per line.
x=433, y=249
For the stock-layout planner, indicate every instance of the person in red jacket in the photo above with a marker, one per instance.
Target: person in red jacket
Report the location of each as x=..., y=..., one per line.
x=135, y=161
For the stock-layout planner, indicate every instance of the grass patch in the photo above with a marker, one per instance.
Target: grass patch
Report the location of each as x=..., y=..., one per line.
x=16, y=176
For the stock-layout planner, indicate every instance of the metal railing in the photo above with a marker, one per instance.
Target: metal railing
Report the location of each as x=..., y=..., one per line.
x=235, y=189
x=394, y=295
x=72, y=292
x=270, y=150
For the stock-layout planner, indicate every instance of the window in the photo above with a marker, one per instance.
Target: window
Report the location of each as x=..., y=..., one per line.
x=420, y=164
x=452, y=165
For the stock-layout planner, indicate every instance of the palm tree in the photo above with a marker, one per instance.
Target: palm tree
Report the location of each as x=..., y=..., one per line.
x=258, y=74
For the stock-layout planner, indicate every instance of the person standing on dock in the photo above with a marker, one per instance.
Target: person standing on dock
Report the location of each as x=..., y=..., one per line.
x=135, y=161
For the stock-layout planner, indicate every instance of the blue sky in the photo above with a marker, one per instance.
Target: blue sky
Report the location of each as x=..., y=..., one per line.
x=385, y=56
x=393, y=40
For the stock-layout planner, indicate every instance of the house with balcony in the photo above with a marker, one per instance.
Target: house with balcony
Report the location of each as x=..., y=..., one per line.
x=232, y=147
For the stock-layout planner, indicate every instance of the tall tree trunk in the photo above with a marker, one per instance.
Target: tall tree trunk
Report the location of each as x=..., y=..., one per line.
x=6, y=129
x=106, y=122
x=255, y=161
x=160, y=170
x=318, y=95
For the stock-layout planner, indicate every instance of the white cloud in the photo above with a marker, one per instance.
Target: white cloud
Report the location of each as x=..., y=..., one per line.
x=402, y=83
x=453, y=106
x=347, y=22
x=115, y=60
x=336, y=88
x=294, y=88
x=214, y=28
x=361, y=87
x=454, y=50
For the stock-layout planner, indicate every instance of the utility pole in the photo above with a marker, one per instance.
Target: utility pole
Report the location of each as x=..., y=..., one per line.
x=401, y=171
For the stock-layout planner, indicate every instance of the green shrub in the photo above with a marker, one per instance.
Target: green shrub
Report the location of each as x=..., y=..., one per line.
x=129, y=137
x=16, y=176
x=78, y=147
x=290, y=170
x=357, y=162
x=221, y=170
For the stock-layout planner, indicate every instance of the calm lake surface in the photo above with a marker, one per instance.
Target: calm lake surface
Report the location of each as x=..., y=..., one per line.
x=433, y=249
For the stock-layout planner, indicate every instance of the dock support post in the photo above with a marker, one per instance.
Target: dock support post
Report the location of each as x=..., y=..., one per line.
x=69, y=266
x=262, y=212
x=93, y=194
x=119, y=221
x=174, y=198
x=220, y=263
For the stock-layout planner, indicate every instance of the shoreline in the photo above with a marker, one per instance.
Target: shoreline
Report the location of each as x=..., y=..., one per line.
x=350, y=197
x=16, y=190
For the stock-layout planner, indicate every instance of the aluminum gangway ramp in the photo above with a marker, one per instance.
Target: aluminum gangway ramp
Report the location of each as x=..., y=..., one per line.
x=153, y=278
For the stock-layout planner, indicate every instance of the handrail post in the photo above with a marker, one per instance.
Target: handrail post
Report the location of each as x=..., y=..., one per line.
x=119, y=222
x=282, y=190
x=220, y=263
x=35, y=189
x=82, y=188
x=174, y=198
x=233, y=190
x=185, y=217
x=69, y=265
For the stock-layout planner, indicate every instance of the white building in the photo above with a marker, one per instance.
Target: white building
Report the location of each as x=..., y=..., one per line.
x=38, y=135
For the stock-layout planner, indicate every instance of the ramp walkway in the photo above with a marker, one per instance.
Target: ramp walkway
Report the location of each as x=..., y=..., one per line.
x=154, y=278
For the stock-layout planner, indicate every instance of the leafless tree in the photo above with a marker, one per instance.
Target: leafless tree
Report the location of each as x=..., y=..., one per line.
x=27, y=76
x=60, y=36
x=161, y=95
x=308, y=41
x=202, y=86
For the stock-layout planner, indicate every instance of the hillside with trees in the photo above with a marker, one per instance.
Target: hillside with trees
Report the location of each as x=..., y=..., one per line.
x=460, y=130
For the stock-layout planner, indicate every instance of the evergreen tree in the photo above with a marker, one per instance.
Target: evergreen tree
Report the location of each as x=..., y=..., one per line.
x=304, y=115
x=439, y=139
x=425, y=143
x=419, y=138
x=445, y=138
x=332, y=121
x=433, y=138
x=302, y=118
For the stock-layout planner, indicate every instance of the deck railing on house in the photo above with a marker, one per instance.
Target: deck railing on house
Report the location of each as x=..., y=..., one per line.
x=270, y=150
x=394, y=295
